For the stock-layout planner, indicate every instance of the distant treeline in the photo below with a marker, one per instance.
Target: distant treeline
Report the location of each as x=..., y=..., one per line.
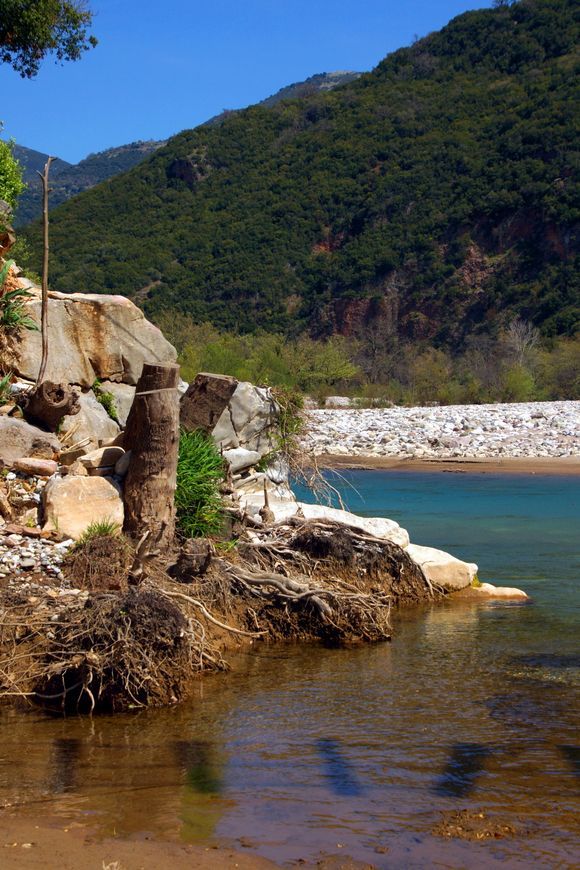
x=516, y=365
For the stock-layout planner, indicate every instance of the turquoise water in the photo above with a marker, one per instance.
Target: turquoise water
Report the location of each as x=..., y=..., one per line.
x=521, y=530
x=306, y=752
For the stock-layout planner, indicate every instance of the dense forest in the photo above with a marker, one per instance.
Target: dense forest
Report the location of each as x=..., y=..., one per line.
x=68, y=179
x=434, y=199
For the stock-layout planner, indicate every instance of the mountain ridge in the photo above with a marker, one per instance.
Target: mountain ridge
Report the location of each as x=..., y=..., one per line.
x=70, y=179
x=434, y=195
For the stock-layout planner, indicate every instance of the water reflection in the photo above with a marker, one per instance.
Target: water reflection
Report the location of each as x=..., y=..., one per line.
x=63, y=766
x=200, y=765
x=466, y=762
x=337, y=768
x=572, y=756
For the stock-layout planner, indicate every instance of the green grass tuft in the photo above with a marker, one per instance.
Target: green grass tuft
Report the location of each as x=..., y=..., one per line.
x=199, y=472
x=98, y=529
x=5, y=393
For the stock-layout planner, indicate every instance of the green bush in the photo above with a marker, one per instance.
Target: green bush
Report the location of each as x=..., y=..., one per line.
x=107, y=400
x=12, y=311
x=199, y=472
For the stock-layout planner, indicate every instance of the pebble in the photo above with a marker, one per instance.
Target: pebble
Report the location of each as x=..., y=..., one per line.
x=526, y=430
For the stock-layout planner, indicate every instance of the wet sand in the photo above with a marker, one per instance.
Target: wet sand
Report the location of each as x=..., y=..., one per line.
x=32, y=844
x=566, y=465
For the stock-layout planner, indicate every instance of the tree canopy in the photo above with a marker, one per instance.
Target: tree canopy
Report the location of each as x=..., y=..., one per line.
x=10, y=175
x=31, y=29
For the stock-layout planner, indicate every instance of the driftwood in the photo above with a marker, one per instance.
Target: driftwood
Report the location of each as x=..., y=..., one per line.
x=49, y=403
x=152, y=436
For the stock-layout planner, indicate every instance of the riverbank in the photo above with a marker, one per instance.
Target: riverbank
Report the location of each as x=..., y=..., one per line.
x=565, y=465
x=31, y=844
x=494, y=433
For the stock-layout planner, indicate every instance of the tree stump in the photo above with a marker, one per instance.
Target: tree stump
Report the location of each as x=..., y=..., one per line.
x=49, y=403
x=152, y=436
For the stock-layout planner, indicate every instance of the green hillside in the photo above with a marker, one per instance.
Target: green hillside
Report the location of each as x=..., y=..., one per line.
x=68, y=179
x=437, y=194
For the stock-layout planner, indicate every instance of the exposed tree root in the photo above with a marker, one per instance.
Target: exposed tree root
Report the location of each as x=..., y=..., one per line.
x=109, y=646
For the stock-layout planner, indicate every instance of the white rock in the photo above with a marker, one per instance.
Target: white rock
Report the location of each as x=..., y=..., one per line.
x=98, y=336
x=19, y=439
x=379, y=527
x=443, y=568
x=123, y=395
x=73, y=503
x=253, y=413
x=103, y=457
x=92, y=423
x=240, y=458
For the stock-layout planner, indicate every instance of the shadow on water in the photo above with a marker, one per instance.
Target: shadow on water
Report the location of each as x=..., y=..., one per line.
x=572, y=756
x=466, y=762
x=66, y=754
x=198, y=760
x=337, y=768
x=548, y=660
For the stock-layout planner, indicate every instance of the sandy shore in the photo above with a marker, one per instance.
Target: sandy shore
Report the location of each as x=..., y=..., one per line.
x=33, y=845
x=566, y=465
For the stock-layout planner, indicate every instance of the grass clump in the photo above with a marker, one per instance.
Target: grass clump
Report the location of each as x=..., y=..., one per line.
x=105, y=528
x=13, y=314
x=199, y=472
x=107, y=400
x=5, y=393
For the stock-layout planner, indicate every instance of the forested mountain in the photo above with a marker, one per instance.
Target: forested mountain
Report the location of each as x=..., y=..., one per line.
x=68, y=179
x=434, y=196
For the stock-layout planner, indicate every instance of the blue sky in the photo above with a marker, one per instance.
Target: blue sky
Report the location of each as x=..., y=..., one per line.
x=161, y=67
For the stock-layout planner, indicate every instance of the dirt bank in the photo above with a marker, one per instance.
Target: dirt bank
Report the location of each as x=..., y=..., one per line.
x=567, y=465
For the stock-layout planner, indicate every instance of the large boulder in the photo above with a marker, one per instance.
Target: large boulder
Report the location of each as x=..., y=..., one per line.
x=442, y=568
x=91, y=336
x=92, y=424
x=72, y=503
x=19, y=439
x=235, y=413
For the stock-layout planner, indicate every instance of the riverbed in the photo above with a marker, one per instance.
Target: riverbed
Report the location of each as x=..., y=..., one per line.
x=304, y=752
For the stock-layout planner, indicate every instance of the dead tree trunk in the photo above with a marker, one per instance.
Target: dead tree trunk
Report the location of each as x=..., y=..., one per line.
x=49, y=403
x=152, y=436
x=44, y=303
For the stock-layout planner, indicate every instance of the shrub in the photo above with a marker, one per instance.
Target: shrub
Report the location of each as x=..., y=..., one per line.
x=107, y=400
x=12, y=312
x=199, y=472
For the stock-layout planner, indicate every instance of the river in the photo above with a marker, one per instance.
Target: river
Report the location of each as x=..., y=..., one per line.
x=304, y=751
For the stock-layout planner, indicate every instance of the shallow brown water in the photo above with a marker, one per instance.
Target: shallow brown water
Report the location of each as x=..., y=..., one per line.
x=307, y=751
x=304, y=751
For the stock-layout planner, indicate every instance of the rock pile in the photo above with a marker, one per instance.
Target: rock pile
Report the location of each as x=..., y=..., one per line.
x=530, y=429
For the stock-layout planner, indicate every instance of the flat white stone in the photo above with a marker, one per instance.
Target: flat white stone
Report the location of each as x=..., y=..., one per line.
x=442, y=568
